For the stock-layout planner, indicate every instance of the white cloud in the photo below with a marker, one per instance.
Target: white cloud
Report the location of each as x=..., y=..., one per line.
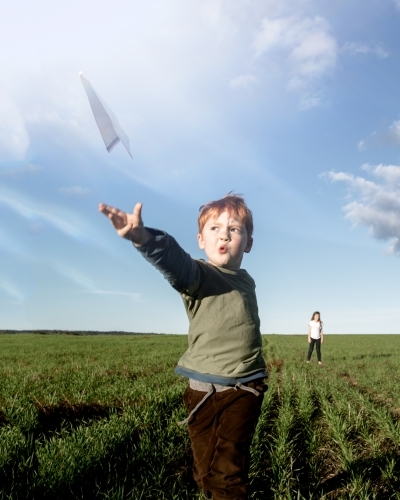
x=244, y=81
x=314, y=56
x=391, y=136
x=75, y=191
x=389, y=173
x=375, y=204
x=14, y=138
x=308, y=49
x=307, y=102
x=355, y=48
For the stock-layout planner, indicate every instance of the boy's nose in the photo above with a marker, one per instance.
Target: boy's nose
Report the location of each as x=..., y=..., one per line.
x=224, y=236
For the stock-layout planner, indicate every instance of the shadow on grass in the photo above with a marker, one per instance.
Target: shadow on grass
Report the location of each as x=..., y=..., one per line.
x=136, y=468
x=3, y=419
x=336, y=487
x=51, y=418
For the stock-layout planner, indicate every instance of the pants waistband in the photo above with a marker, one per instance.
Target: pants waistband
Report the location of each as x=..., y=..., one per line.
x=209, y=391
x=205, y=386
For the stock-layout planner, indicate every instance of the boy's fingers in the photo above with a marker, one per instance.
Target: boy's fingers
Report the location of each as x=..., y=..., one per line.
x=104, y=208
x=107, y=209
x=137, y=210
x=115, y=211
x=129, y=226
x=110, y=211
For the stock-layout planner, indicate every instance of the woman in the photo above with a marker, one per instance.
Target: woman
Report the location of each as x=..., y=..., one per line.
x=315, y=336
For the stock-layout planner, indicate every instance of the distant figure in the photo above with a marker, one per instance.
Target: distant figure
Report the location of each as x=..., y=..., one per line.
x=315, y=336
x=224, y=362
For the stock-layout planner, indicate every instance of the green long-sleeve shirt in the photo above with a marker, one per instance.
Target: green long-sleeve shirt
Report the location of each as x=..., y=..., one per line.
x=224, y=334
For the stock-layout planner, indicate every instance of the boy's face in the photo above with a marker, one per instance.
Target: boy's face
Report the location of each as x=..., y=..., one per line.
x=224, y=240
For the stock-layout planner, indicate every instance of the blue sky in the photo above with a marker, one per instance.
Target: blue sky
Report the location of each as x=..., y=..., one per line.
x=293, y=103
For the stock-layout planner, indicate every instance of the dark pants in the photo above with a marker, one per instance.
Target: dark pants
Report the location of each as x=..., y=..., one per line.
x=317, y=342
x=220, y=434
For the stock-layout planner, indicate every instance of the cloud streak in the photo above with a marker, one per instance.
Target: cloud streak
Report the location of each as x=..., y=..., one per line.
x=11, y=290
x=356, y=48
x=31, y=210
x=14, y=138
x=87, y=285
x=75, y=191
x=391, y=136
x=17, y=172
x=134, y=296
x=243, y=81
x=309, y=51
x=374, y=203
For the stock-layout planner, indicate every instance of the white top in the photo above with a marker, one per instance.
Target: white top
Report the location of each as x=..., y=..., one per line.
x=316, y=329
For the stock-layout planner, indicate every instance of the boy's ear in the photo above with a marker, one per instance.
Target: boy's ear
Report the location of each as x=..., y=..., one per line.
x=249, y=245
x=200, y=241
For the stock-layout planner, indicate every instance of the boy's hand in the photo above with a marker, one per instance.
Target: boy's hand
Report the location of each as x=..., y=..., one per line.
x=128, y=226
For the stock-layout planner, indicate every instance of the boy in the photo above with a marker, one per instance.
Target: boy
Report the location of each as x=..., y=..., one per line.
x=224, y=362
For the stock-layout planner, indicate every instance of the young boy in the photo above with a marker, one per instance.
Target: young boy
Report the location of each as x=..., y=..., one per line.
x=224, y=361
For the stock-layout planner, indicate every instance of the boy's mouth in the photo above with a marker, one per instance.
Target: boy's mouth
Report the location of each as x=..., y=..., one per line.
x=222, y=249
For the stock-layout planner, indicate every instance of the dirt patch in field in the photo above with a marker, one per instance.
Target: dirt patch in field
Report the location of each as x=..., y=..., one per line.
x=396, y=412
x=277, y=364
x=52, y=417
x=127, y=374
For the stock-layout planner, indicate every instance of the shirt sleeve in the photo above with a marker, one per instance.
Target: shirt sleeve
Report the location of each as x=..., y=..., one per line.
x=178, y=268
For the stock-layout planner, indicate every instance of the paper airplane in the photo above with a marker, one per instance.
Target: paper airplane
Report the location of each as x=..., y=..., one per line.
x=108, y=124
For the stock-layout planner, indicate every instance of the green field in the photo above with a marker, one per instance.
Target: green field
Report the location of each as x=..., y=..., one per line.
x=96, y=417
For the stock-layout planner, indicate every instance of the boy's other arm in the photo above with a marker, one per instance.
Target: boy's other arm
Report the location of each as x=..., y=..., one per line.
x=128, y=226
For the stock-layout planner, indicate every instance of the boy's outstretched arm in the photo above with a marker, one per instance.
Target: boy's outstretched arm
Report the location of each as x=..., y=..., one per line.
x=162, y=250
x=128, y=226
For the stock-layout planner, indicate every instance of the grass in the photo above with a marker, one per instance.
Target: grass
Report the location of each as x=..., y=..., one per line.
x=96, y=417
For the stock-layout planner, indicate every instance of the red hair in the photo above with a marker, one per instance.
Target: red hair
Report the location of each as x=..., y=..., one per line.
x=232, y=203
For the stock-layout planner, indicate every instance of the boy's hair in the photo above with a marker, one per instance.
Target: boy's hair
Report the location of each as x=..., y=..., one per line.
x=236, y=207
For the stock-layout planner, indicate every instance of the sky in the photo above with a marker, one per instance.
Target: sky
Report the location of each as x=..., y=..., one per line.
x=293, y=103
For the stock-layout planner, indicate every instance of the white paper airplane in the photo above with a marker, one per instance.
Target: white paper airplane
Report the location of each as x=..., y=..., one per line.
x=108, y=124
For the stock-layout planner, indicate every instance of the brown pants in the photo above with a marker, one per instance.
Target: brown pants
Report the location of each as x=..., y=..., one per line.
x=220, y=433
